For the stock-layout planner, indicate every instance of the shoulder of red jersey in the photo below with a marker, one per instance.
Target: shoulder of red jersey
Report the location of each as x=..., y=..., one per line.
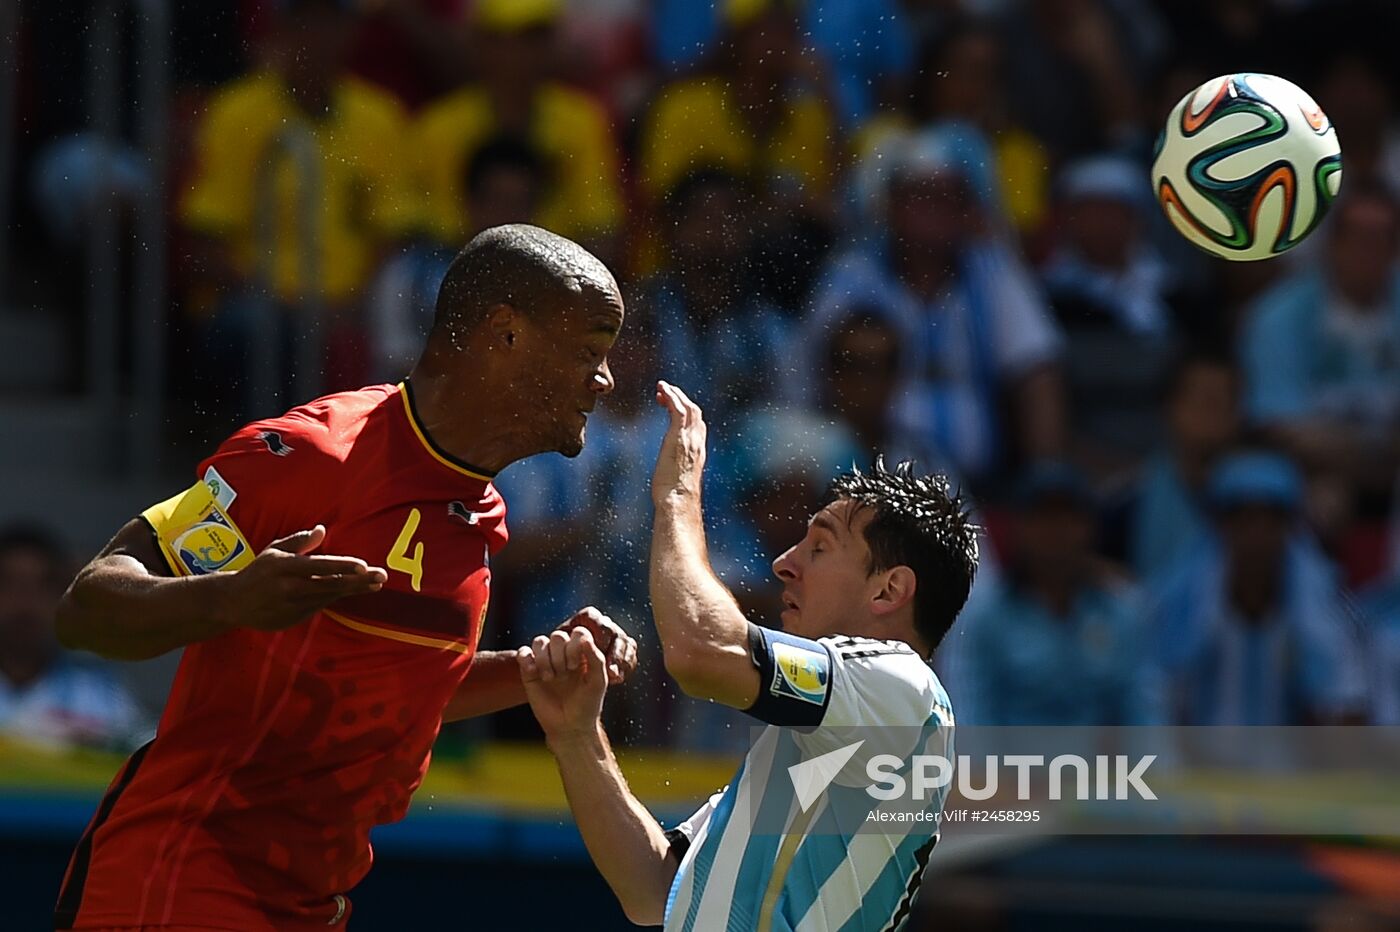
x=269, y=479
x=327, y=426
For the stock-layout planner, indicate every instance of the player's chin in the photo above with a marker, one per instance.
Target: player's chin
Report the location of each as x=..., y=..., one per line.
x=572, y=445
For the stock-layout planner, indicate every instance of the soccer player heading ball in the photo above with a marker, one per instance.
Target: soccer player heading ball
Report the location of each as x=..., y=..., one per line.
x=871, y=589
x=312, y=685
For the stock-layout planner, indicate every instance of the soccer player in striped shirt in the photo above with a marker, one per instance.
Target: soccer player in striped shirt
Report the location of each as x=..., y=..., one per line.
x=872, y=587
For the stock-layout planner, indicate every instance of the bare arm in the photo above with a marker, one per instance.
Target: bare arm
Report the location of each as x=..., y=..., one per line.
x=704, y=635
x=492, y=684
x=125, y=605
x=565, y=679
x=623, y=838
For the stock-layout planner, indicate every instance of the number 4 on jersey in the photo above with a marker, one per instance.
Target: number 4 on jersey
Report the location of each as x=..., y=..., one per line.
x=399, y=559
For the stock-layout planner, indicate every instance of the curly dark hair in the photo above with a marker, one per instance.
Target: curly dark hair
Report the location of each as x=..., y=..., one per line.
x=920, y=522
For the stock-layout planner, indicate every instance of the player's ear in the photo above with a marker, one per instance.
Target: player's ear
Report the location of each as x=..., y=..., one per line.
x=504, y=323
x=895, y=590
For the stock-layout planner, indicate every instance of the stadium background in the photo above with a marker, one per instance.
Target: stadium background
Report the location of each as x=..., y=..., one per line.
x=917, y=226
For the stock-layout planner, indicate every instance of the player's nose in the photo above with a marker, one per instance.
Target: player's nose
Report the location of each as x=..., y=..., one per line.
x=602, y=382
x=785, y=567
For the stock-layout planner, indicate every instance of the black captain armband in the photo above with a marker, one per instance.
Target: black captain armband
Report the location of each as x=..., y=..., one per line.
x=795, y=678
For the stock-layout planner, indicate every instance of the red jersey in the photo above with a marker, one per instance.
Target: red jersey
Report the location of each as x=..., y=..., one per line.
x=279, y=751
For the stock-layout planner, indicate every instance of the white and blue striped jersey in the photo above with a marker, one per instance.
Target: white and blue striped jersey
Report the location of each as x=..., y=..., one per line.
x=754, y=860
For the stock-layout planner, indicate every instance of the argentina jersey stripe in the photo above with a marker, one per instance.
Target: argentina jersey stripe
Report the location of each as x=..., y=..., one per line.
x=774, y=810
x=695, y=866
x=855, y=881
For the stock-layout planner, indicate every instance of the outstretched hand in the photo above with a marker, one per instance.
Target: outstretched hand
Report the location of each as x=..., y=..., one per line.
x=286, y=583
x=681, y=463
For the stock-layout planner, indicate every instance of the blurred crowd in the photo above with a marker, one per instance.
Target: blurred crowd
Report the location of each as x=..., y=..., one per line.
x=921, y=228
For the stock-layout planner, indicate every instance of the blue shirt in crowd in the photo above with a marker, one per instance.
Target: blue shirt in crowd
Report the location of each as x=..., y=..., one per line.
x=1167, y=519
x=1307, y=353
x=1301, y=663
x=726, y=363
x=1018, y=664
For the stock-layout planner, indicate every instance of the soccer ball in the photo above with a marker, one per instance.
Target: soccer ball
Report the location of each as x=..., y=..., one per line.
x=1246, y=166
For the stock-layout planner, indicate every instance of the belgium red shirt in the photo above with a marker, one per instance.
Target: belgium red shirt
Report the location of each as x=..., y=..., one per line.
x=279, y=751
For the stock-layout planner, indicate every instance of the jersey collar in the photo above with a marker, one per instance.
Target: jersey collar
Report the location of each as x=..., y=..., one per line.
x=437, y=452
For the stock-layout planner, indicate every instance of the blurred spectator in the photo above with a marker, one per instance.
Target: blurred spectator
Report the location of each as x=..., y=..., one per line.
x=44, y=695
x=716, y=338
x=960, y=76
x=1058, y=641
x=868, y=45
x=762, y=115
x=1111, y=292
x=1252, y=628
x=1165, y=517
x=974, y=329
x=505, y=181
x=862, y=366
x=1103, y=273
x=363, y=193
x=412, y=48
x=1228, y=36
x=516, y=94
x=1356, y=92
x=304, y=230
x=1321, y=351
x=1076, y=72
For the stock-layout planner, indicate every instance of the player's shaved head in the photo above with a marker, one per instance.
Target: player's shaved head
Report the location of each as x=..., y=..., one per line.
x=523, y=266
x=526, y=318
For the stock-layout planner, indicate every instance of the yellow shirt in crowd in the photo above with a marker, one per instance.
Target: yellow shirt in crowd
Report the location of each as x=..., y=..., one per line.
x=696, y=124
x=365, y=195
x=568, y=128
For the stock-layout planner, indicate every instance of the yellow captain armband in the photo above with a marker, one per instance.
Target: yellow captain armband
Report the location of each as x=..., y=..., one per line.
x=194, y=531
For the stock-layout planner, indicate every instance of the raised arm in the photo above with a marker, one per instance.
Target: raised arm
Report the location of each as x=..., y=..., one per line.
x=126, y=605
x=565, y=678
x=704, y=635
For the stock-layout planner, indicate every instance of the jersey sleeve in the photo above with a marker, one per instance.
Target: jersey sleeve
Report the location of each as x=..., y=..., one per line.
x=252, y=491
x=682, y=835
